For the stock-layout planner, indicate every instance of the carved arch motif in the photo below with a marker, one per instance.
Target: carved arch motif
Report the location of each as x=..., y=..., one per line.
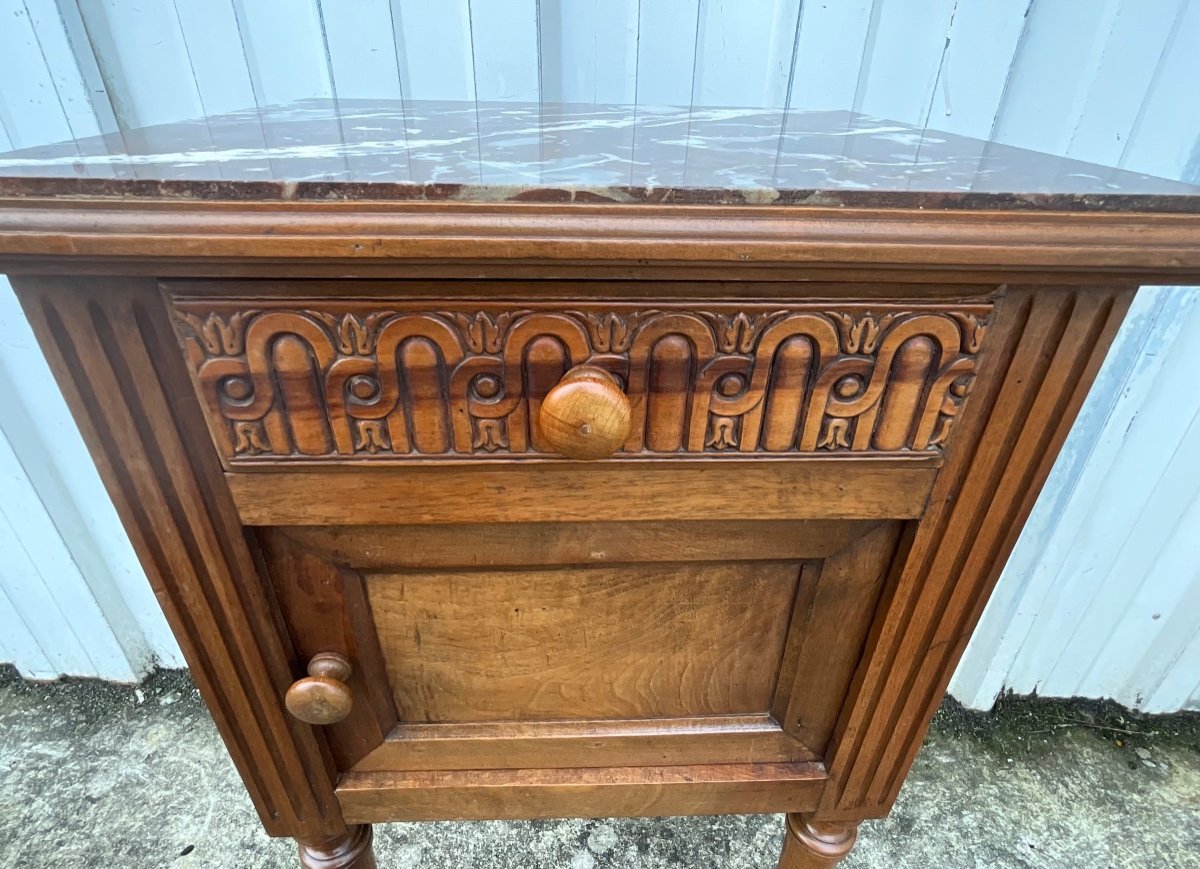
x=348, y=380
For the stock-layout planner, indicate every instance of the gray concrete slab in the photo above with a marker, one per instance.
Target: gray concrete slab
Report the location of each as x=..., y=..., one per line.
x=108, y=776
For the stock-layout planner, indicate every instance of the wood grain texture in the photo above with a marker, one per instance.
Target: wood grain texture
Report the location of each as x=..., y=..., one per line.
x=835, y=605
x=324, y=609
x=604, y=792
x=109, y=344
x=1049, y=343
x=647, y=641
x=596, y=492
x=812, y=844
x=1152, y=247
x=322, y=697
x=705, y=740
x=352, y=850
x=562, y=543
x=585, y=415
x=326, y=380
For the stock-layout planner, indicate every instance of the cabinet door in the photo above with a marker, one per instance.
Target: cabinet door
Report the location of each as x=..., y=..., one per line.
x=704, y=647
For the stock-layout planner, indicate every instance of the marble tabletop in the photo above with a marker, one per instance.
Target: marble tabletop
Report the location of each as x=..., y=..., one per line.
x=323, y=150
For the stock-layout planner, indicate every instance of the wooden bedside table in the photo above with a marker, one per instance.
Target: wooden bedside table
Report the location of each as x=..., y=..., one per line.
x=345, y=422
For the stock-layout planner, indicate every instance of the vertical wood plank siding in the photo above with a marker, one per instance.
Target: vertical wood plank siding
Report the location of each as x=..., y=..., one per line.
x=1100, y=595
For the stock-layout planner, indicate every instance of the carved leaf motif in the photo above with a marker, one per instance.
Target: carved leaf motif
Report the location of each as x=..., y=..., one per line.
x=738, y=333
x=611, y=332
x=836, y=436
x=721, y=434
x=355, y=336
x=250, y=439
x=370, y=437
x=942, y=432
x=489, y=436
x=484, y=332
x=219, y=337
x=861, y=335
x=973, y=329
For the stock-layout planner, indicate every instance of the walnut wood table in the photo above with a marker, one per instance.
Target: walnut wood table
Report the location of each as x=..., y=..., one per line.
x=523, y=462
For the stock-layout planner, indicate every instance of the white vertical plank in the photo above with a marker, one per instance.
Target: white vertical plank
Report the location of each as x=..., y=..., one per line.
x=666, y=52
x=214, y=51
x=1135, y=580
x=143, y=60
x=1133, y=49
x=43, y=436
x=1164, y=139
x=284, y=50
x=829, y=54
x=221, y=73
x=1180, y=688
x=361, y=44
x=30, y=109
x=589, y=51
x=979, y=52
x=45, y=586
x=902, y=59
x=435, y=49
x=18, y=646
x=1159, y=622
x=1051, y=73
x=744, y=53
x=42, y=12
x=65, y=69
x=504, y=44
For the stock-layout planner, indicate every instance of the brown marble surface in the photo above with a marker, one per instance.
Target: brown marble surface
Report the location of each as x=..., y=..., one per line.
x=323, y=150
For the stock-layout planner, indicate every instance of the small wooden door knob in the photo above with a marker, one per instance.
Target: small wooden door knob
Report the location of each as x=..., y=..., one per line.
x=586, y=415
x=323, y=697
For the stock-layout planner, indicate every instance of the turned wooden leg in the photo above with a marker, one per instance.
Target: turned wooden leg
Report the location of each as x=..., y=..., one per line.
x=351, y=851
x=810, y=844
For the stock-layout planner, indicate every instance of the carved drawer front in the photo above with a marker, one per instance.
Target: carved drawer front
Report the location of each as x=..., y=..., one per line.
x=390, y=380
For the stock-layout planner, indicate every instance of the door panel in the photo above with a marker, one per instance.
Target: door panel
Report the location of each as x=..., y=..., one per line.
x=627, y=641
x=570, y=663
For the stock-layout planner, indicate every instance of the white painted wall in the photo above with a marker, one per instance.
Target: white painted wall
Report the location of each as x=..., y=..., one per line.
x=1110, y=545
x=73, y=598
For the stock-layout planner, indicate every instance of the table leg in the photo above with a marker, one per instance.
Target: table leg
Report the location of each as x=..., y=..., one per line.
x=812, y=844
x=351, y=851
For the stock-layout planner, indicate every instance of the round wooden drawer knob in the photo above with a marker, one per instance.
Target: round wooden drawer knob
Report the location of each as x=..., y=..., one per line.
x=586, y=415
x=323, y=697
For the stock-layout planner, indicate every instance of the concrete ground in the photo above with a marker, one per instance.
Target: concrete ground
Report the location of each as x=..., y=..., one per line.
x=106, y=776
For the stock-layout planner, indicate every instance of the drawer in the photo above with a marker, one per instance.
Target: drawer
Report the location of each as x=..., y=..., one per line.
x=394, y=380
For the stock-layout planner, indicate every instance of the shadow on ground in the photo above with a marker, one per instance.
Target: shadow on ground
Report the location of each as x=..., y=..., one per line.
x=110, y=776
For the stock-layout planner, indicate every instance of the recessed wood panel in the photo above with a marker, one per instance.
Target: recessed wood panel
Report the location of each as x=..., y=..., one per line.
x=640, y=641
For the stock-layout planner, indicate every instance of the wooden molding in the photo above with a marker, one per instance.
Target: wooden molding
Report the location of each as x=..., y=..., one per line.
x=109, y=344
x=1154, y=247
x=645, y=791
x=1049, y=344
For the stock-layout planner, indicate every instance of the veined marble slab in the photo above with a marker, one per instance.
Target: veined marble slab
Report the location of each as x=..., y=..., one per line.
x=555, y=153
